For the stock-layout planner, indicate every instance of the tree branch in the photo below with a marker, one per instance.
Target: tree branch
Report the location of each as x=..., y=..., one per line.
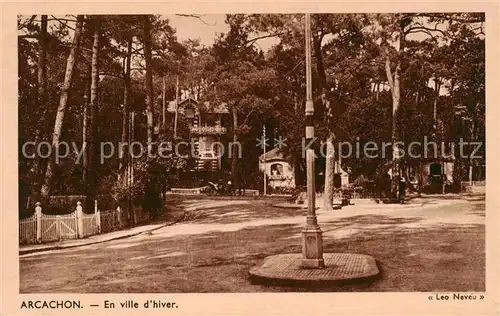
x=21, y=26
x=421, y=31
x=253, y=40
x=63, y=22
x=141, y=68
x=428, y=30
x=67, y=45
x=110, y=74
x=247, y=117
x=27, y=36
x=298, y=64
x=196, y=16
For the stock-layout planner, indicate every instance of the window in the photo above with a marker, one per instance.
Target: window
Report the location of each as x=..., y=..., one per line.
x=209, y=119
x=207, y=155
x=337, y=180
x=435, y=169
x=276, y=169
x=189, y=112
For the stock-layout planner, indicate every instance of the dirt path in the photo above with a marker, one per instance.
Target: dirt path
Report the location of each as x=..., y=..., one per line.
x=436, y=247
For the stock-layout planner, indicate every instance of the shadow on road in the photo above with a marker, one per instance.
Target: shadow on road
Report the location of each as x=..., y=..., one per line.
x=412, y=257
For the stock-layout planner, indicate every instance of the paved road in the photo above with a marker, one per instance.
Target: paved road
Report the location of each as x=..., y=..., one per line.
x=213, y=250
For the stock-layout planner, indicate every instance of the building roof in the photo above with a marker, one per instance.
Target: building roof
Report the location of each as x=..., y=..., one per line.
x=273, y=154
x=204, y=106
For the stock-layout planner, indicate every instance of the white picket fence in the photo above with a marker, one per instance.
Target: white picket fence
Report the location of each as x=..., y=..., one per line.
x=28, y=230
x=40, y=227
x=46, y=228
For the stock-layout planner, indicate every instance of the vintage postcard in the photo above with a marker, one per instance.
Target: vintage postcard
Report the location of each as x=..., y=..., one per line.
x=250, y=158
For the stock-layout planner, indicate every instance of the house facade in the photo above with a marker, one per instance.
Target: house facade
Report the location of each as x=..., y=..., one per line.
x=341, y=177
x=281, y=174
x=277, y=169
x=431, y=175
x=204, y=121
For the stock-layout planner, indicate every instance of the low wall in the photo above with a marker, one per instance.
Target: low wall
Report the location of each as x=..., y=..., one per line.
x=474, y=186
x=195, y=191
x=186, y=191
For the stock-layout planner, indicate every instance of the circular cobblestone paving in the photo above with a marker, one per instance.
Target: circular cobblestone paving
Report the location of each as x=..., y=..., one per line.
x=339, y=268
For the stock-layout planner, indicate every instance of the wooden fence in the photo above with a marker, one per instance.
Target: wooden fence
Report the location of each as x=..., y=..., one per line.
x=112, y=220
x=40, y=227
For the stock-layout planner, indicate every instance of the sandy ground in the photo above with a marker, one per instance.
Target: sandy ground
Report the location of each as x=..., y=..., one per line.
x=431, y=244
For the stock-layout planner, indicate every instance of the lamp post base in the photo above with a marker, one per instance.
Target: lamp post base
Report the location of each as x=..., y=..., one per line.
x=312, y=248
x=312, y=263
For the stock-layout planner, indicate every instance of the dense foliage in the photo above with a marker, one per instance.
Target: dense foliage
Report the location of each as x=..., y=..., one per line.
x=433, y=61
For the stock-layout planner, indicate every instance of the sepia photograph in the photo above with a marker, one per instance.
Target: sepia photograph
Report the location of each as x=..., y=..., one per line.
x=244, y=153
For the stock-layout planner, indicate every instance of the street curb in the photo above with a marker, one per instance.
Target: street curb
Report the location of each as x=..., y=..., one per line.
x=59, y=247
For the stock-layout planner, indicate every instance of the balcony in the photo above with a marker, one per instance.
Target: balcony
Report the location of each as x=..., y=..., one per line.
x=278, y=177
x=208, y=130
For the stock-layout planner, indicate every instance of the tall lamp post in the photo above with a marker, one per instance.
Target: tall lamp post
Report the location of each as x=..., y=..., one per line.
x=310, y=267
x=312, y=237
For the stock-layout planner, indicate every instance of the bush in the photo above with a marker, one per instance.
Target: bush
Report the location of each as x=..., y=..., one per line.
x=57, y=205
x=282, y=190
x=67, y=203
x=152, y=177
x=253, y=181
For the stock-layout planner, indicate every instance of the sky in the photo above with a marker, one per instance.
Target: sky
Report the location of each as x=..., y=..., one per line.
x=207, y=30
x=188, y=27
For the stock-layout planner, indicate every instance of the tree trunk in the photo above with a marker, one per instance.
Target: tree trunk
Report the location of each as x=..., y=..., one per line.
x=329, y=188
x=91, y=139
x=149, y=80
x=42, y=91
x=84, y=143
x=329, y=173
x=395, y=109
x=61, y=109
x=42, y=63
x=320, y=68
x=234, y=156
x=85, y=126
x=434, y=108
x=126, y=99
x=470, y=171
x=163, y=100
x=394, y=84
x=176, y=115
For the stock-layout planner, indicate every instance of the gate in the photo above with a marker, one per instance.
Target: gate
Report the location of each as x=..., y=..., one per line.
x=50, y=229
x=67, y=226
x=41, y=227
x=57, y=227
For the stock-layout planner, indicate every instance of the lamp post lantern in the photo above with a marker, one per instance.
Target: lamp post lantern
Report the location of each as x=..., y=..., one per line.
x=312, y=237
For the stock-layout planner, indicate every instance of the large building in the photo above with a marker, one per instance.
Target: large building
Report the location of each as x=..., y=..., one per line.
x=205, y=123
